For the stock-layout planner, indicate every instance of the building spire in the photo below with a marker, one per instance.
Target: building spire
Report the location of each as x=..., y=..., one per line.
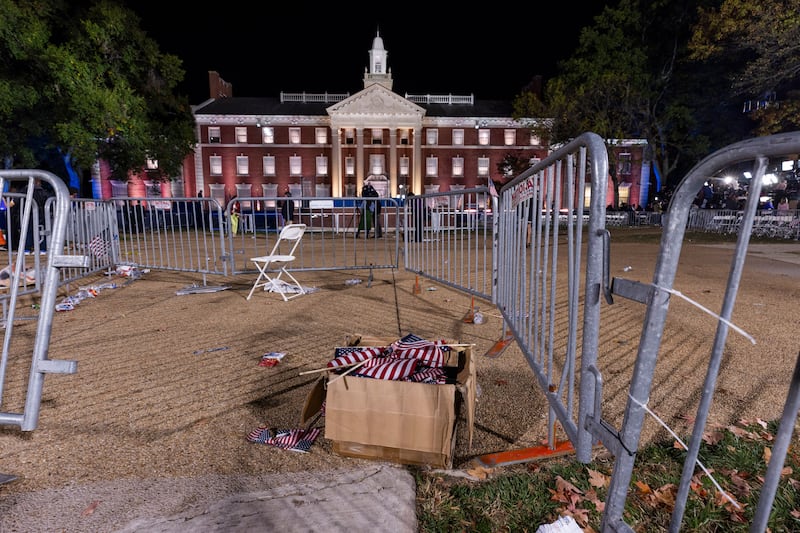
x=378, y=70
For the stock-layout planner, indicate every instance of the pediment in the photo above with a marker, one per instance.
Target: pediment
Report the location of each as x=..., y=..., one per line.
x=375, y=100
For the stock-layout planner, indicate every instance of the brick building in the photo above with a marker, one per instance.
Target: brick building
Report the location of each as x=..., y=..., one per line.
x=331, y=144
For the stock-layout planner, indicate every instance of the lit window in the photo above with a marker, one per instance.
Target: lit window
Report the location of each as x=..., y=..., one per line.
x=215, y=165
x=458, y=167
x=624, y=193
x=432, y=136
x=242, y=165
x=510, y=137
x=322, y=135
x=294, y=135
x=350, y=166
x=432, y=166
x=349, y=136
x=535, y=141
x=268, y=135
x=322, y=165
x=483, y=166
x=403, y=136
x=152, y=164
x=241, y=135
x=376, y=163
x=458, y=137
x=295, y=165
x=213, y=134
x=483, y=137
x=624, y=163
x=404, y=166
x=269, y=165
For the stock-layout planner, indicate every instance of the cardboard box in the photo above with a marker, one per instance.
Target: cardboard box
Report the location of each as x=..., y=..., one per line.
x=399, y=421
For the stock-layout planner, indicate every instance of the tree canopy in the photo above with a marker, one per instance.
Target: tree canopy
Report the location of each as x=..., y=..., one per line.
x=83, y=80
x=675, y=73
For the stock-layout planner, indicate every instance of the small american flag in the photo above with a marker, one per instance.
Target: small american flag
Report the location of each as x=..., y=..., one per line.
x=435, y=376
x=99, y=247
x=492, y=188
x=352, y=355
x=295, y=440
x=429, y=353
x=393, y=369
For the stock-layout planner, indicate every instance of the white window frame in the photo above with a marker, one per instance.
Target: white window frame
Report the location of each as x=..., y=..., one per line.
x=214, y=135
x=241, y=134
x=321, y=134
x=377, y=164
x=295, y=165
x=377, y=136
x=483, y=166
x=510, y=137
x=458, y=167
x=483, y=137
x=322, y=165
x=242, y=165
x=431, y=166
x=458, y=137
x=624, y=163
x=215, y=165
x=349, y=136
x=404, y=134
x=535, y=140
x=432, y=136
x=268, y=135
x=404, y=165
x=349, y=166
x=294, y=135
x=269, y=165
x=151, y=164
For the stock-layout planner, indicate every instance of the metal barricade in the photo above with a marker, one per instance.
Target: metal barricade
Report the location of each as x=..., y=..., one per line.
x=449, y=238
x=339, y=234
x=624, y=442
x=24, y=357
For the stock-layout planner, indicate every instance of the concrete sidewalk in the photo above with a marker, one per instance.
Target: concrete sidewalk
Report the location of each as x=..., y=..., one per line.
x=379, y=497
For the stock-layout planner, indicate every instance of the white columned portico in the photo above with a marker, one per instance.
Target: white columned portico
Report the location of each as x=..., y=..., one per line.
x=373, y=108
x=416, y=173
x=337, y=187
x=393, y=161
x=359, y=159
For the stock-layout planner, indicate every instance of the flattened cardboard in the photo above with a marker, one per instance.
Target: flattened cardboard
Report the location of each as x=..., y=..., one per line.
x=398, y=421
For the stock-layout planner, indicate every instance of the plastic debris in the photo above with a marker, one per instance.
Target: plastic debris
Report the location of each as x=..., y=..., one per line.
x=352, y=282
x=209, y=350
x=565, y=524
x=271, y=358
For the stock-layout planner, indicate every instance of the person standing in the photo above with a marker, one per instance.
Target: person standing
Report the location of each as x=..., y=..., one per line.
x=368, y=211
x=287, y=207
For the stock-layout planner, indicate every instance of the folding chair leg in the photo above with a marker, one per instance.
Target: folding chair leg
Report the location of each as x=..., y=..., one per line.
x=261, y=275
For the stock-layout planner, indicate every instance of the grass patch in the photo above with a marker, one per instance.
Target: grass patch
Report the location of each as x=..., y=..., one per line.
x=520, y=498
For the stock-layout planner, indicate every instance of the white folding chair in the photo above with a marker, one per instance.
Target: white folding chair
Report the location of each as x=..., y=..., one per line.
x=290, y=234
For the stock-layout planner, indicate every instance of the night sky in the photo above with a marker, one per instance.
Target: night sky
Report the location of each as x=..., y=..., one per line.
x=430, y=50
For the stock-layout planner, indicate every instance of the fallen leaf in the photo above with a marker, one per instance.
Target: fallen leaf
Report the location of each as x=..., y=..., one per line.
x=713, y=437
x=644, y=488
x=767, y=454
x=786, y=471
x=90, y=509
x=479, y=472
x=564, y=485
x=597, y=479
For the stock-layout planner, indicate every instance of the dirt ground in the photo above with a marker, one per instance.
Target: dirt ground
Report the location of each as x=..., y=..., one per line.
x=170, y=385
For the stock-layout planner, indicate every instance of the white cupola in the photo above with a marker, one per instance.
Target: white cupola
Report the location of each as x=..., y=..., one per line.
x=378, y=70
